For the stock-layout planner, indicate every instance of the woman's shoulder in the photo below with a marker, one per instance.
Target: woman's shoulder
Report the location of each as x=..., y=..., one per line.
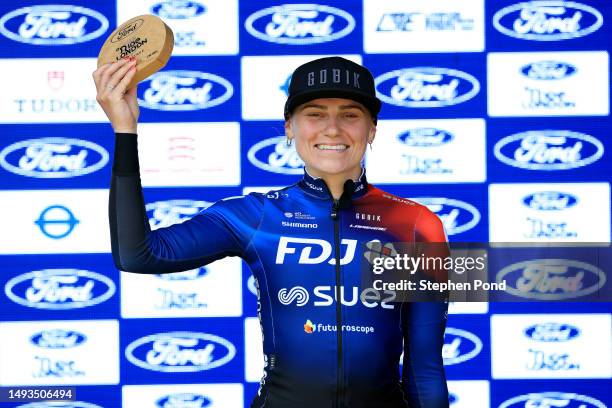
x=387, y=198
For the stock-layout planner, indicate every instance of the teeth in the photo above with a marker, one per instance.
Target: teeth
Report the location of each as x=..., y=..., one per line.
x=331, y=147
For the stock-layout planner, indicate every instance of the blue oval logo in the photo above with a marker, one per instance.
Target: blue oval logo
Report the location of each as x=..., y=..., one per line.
x=59, y=289
x=550, y=201
x=547, y=20
x=182, y=352
x=548, y=150
x=452, y=398
x=552, y=399
x=548, y=70
x=183, y=400
x=552, y=332
x=275, y=156
x=53, y=25
x=425, y=137
x=460, y=346
x=166, y=213
x=456, y=216
x=189, y=275
x=551, y=279
x=176, y=10
x=180, y=90
x=53, y=157
x=58, y=339
x=300, y=24
x=426, y=87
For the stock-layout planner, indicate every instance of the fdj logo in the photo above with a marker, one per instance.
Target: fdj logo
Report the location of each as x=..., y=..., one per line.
x=56, y=222
x=322, y=250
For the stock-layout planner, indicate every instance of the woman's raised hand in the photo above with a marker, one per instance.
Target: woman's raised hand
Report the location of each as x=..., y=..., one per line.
x=118, y=103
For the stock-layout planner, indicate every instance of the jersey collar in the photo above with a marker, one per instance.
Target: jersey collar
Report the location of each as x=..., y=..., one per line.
x=316, y=186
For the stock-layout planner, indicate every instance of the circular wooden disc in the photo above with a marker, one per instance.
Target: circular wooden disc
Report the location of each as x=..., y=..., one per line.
x=145, y=37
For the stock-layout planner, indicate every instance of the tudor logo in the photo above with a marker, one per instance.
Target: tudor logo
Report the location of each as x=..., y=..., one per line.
x=181, y=90
x=299, y=24
x=426, y=87
x=549, y=20
x=53, y=25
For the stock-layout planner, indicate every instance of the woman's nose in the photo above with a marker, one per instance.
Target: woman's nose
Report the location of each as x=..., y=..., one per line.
x=331, y=128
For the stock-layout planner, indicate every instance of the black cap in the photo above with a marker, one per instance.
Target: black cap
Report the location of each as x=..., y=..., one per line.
x=332, y=77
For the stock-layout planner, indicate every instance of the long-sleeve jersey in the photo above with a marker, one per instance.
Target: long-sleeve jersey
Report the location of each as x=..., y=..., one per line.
x=326, y=342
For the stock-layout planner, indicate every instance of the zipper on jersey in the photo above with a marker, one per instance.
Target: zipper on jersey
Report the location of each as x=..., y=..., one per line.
x=340, y=377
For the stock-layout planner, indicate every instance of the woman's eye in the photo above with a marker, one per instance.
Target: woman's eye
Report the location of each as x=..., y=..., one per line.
x=313, y=114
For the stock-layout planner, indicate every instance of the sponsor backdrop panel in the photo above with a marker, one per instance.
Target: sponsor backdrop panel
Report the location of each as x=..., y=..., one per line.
x=495, y=115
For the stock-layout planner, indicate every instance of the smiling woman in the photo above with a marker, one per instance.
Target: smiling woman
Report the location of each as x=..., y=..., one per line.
x=303, y=246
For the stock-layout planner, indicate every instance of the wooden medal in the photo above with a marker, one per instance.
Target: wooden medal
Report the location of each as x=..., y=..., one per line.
x=145, y=37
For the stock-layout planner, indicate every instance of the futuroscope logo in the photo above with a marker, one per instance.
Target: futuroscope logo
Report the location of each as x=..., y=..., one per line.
x=300, y=24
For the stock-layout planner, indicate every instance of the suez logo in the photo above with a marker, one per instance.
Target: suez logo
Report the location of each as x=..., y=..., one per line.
x=300, y=24
x=552, y=332
x=326, y=296
x=275, y=156
x=53, y=25
x=426, y=87
x=548, y=150
x=552, y=399
x=182, y=90
x=547, y=20
x=551, y=279
x=53, y=157
x=183, y=400
x=59, y=289
x=58, y=339
x=67, y=404
x=457, y=216
x=548, y=70
x=165, y=213
x=178, y=10
x=180, y=352
x=459, y=346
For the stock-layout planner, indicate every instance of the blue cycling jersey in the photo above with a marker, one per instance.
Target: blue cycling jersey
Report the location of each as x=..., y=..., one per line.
x=327, y=343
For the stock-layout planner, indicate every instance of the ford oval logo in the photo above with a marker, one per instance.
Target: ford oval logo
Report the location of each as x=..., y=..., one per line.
x=425, y=137
x=550, y=201
x=53, y=25
x=59, y=289
x=275, y=156
x=426, y=87
x=180, y=352
x=300, y=24
x=183, y=400
x=127, y=30
x=552, y=399
x=67, y=404
x=189, y=275
x=179, y=90
x=452, y=398
x=53, y=157
x=552, y=332
x=551, y=279
x=165, y=213
x=459, y=346
x=547, y=20
x=176, y=10
x=548, y=150
x=58, y=339
x=548, y=70
x=456, y=216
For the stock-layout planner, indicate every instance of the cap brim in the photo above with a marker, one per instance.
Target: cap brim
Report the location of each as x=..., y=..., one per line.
x=371, y=103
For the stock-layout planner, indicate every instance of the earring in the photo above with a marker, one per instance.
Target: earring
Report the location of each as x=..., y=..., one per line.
x=289, y=142
x=370, y=146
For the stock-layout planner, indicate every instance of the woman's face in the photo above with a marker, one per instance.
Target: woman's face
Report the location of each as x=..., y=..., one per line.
x=331, y=135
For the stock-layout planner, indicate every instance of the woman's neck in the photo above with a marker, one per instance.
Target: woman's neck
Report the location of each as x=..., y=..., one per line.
x=335, y=182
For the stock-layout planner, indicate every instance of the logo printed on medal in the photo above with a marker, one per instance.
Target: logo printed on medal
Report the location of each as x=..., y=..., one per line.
x=552, y=399
x=548, y=150
x=275, y=156
x=457, y=216
x=550, y=20
x=460, y=346
x=552, y=332
x=128, y=30
x=425, y=137
x=53, y=157
x=183, y=400
x=300, y=24
x=551, y=279
x=178, y=10
x=180, y=352
x=59, y=289
x=548, y=70
x=550, y=201
x=182, y=90
x=53, y=25
x=426, y=87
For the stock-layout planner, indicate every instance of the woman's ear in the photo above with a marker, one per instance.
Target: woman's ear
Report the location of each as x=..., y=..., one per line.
x=288, y=130
x=372, y=134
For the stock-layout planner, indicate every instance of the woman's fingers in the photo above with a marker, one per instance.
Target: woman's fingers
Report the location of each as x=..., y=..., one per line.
x=126, y=73
x=106, y=77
